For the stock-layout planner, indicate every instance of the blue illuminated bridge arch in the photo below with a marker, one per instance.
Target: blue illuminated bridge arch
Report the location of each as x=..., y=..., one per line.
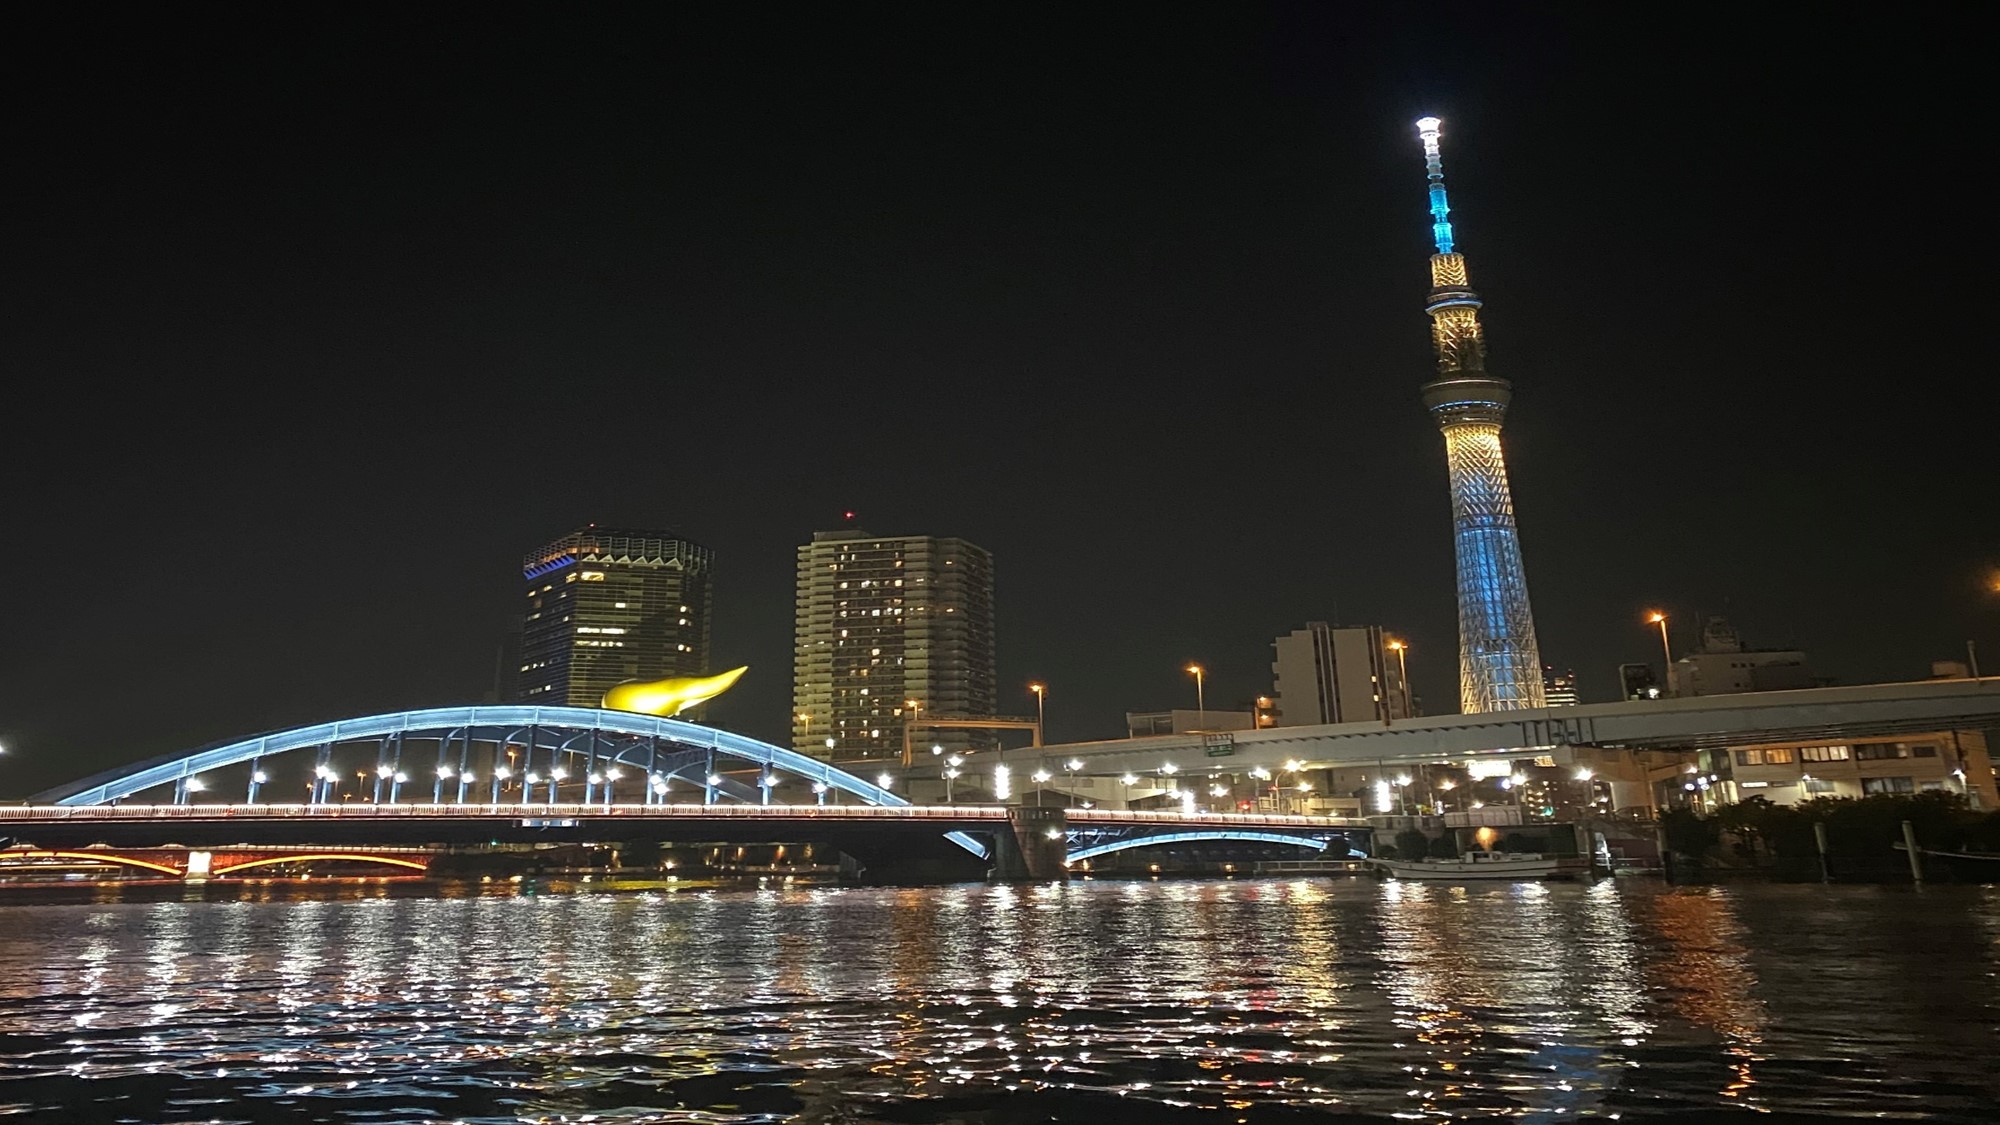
x=1089, y=851
x=544, y=739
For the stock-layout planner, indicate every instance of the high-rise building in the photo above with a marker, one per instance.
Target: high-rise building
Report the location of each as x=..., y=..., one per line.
x=1499, y=664
x=1331, y=674
x=607, y=605
x=1558, y=686
x=888, y=625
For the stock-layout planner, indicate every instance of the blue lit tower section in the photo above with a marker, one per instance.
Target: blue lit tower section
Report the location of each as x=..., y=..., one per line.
x=1499, y=664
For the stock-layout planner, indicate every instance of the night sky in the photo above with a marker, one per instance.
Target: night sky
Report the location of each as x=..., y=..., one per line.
x=314, y=326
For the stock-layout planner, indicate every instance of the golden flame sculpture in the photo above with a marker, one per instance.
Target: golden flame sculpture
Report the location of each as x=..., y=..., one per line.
x=671, y=696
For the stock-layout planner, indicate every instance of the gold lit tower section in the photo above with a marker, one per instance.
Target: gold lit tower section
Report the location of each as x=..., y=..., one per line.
x=1499, y=664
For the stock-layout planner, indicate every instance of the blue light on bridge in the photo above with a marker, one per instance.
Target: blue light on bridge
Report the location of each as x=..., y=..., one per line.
x=1246, y=835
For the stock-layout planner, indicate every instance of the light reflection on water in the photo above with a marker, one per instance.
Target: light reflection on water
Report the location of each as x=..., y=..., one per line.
x=1134, y=1001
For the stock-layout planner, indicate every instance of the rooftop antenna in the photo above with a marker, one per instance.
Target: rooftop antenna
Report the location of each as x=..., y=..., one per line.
x=1428, y=130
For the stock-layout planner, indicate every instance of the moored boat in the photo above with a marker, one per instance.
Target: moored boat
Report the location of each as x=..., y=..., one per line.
x=1488, y=865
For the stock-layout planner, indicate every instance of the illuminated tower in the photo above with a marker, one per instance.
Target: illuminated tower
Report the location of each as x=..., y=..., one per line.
x=1499, y=665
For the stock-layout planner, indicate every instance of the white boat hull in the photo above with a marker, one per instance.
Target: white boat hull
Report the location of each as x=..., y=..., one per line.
x=1480, y=867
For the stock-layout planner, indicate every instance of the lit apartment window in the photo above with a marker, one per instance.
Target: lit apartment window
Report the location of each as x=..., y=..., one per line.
x=1874, y=785
x=1824, y=754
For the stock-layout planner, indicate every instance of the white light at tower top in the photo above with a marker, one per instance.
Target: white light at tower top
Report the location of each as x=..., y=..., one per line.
x=1428, y=124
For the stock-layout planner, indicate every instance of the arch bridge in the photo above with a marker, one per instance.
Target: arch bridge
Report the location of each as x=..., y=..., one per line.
x=446, y=774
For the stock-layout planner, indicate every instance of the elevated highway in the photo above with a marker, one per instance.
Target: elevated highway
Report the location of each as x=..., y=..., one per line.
x=1834, y=714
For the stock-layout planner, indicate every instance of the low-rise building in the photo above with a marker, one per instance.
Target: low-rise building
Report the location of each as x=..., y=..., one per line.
x=1787, y=773
x=1723, y=666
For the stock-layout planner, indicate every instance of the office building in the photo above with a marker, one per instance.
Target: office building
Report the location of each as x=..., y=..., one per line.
x=1723, y=666
x=1558, y=686
x=891, y=631
x=1337, y=674
x=1499, y=663
x=608, y=605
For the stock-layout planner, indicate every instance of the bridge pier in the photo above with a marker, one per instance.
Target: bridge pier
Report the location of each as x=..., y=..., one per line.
x=1033, y=845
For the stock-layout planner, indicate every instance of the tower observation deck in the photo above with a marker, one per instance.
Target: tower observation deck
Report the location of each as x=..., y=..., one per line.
x=1499, y=663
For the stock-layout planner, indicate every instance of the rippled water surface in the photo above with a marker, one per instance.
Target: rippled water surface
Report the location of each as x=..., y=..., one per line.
x=1211, y=1001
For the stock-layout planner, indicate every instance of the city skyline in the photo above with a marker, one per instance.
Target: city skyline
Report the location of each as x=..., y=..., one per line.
x=1095, y=304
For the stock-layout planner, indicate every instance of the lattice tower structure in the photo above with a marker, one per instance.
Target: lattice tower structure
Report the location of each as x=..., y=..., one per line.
x=1499, y=662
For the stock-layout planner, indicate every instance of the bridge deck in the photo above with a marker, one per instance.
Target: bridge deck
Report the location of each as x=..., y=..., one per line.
x=949, y=815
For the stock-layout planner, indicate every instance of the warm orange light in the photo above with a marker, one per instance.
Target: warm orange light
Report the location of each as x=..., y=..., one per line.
x=1655, y=617
x=1397, y=646
x=1037, y=688
x=1194, y=669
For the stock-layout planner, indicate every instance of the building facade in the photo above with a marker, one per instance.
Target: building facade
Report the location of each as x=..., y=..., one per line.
x=608, y=605
x=1337, y=674
x=1786, y=773
x=890, y=630
x=1499, y=661
x=1558, y=686
x=1723, y=666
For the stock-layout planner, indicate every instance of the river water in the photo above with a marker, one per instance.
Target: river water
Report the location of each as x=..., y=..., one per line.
x=1218, y=1001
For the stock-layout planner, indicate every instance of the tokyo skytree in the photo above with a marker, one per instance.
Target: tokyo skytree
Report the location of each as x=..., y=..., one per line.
x=1499, y=664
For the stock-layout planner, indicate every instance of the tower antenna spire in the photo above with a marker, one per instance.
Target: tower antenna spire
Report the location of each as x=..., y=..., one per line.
x=1499, y=661
x=1428, y=130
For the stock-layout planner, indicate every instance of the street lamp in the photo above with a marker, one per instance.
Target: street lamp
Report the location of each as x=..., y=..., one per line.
x=1128, y=781
x=950, y=775
x=1666, y=651
x=1041, y=691
x=1040, y=778
x=1200, y=704
x=1069, y=775
x=1402, y=652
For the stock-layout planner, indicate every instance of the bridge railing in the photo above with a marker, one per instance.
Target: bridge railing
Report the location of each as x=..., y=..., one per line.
x=517, y=811
x=510, y=811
